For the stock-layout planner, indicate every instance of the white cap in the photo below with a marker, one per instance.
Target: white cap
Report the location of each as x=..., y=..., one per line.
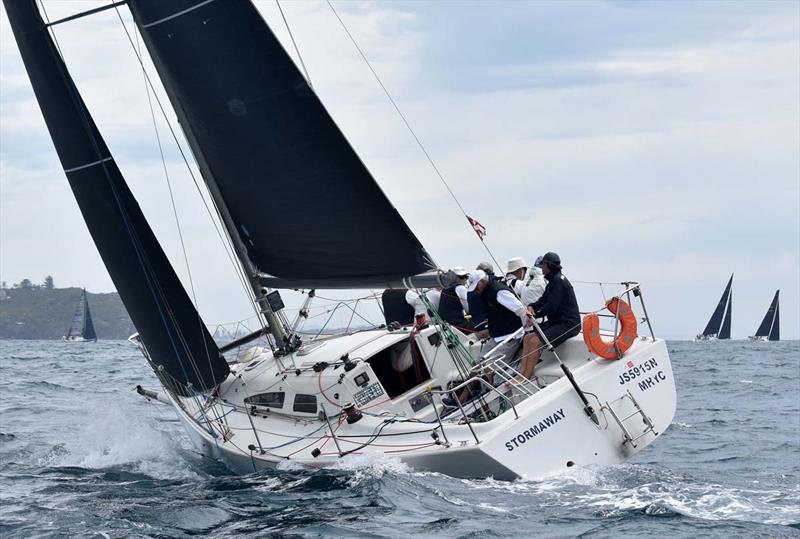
x=460, y=271
x=474, y=278
x=516, y=263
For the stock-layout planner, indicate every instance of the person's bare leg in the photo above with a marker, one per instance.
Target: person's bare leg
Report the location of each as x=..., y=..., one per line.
x=531, y=352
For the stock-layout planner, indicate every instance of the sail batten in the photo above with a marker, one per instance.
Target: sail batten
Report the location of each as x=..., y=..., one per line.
x=178, y=343
x=300, y=199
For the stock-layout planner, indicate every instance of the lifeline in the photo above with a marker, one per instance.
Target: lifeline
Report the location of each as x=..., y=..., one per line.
x=526, y=435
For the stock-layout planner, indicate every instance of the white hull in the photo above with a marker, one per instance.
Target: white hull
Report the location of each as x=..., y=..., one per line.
x=761, y=338
x=701, y=338
x=76, y=339
x=551, y=433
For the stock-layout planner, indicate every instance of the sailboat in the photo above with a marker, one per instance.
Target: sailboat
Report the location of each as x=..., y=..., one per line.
x=82, y=328
x=301, y=211
x=770, y=327
x=719, y=326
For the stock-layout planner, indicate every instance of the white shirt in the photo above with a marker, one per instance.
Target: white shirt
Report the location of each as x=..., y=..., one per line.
x=413, y=299
x=533, y=287
x=518, y=284
x=510, y=302
x=461, y=292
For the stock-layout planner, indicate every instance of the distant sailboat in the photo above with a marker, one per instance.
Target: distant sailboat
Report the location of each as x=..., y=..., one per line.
x=719, y=327
x=770, y=328
x=82, y=328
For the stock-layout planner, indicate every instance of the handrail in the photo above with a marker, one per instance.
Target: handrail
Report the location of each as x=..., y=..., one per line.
x=452, y=392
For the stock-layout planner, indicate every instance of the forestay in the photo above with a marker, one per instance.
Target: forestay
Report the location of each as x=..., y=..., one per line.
x=305, y=206
x=178, y=342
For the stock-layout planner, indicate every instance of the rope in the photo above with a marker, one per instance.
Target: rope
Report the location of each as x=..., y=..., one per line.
x=408, y=126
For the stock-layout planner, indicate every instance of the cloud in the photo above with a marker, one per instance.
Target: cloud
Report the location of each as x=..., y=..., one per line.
x=639, y=141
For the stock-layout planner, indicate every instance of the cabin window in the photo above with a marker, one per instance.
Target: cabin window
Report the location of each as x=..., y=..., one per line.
x=270, y=400
x=400, y=367
x=305, y=403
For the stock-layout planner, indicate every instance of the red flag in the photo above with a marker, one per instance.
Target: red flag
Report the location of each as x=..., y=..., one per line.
x=479, y=229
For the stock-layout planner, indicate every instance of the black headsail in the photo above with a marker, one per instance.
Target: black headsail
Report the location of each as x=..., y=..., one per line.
x=168, y=324
x=720, y=323
x=770, y=325
x=305, y=206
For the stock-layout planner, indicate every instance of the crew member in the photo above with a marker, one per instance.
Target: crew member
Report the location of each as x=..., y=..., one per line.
x=559, y=305
x=515, y=274
x=535, y=284
x=505, y=315
x=477, y=309
x=453, y=303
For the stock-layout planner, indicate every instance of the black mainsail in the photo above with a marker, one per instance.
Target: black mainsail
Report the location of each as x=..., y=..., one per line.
x=178, y=343
x=719, y=325
x=305, y=207
x=770, y=328
x=82, y=327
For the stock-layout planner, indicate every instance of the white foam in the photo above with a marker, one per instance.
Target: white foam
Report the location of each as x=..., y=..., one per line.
x=112, y=435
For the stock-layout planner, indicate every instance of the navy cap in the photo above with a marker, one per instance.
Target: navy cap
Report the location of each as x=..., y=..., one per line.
x=549, y=257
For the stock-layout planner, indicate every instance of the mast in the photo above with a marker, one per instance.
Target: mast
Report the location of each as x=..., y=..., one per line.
x=273, y=323
x=295, y=198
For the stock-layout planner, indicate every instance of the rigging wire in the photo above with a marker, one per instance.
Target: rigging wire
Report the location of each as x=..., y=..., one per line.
x=226, y=242
x=408, y=126
x=296, y=49
x=174, y=208
x=150, y=275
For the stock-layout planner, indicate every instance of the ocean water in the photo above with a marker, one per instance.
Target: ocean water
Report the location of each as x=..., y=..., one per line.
x=81, y=455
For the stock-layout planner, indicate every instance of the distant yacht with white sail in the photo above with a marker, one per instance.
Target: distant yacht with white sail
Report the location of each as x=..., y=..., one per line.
x=719, y=327
x=770, y=328
x=82, y=328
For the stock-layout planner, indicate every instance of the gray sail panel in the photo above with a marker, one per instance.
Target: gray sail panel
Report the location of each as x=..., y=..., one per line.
x=76, y=326
x=301, y=200
x=714, y=325
x=88, y=325
x=168, y=324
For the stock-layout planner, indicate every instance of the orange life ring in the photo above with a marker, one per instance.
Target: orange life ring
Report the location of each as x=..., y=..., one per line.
x=627, y=334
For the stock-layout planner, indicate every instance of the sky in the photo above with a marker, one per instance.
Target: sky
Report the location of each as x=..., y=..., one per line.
x=648, y=141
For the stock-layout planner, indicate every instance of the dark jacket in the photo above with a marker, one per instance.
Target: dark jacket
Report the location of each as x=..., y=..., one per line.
x=477, y=310
x=450, y=308
x=501, y=320
x=558, y=303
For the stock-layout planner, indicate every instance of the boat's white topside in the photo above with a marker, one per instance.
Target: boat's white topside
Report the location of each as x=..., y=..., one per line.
x=535, y=431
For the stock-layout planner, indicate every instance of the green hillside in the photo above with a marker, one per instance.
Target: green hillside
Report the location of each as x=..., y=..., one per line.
x=41, y=313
